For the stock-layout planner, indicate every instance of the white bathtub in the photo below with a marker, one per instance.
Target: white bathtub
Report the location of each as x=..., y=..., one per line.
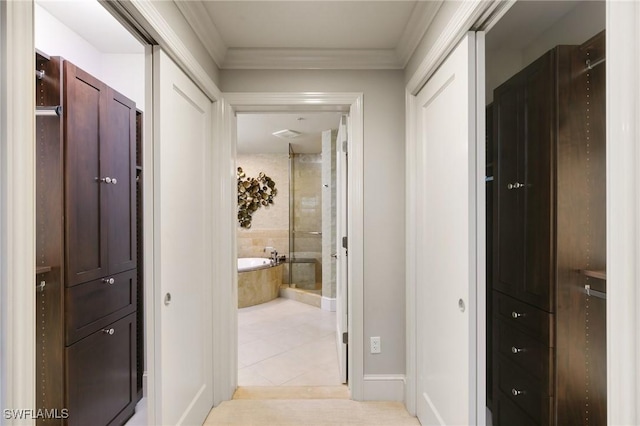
x=259, y=281
x=253, y=263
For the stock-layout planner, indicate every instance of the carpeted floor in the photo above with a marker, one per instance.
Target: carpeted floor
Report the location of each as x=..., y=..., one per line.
x=266, y=407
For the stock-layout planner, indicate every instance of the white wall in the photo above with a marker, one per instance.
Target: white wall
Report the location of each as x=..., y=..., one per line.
x=384, y=198
x=125, y=73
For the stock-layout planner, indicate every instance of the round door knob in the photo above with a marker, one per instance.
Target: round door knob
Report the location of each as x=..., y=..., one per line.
x=516, y=350
x=516, y=392
x=515, y=314
x=108, y=280
x=108, y=331
x=114, y=181
x=107, y=179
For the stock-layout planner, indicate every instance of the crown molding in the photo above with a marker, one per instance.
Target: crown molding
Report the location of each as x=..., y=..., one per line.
x=421, y=17
x=311, y=59
x=197, y=16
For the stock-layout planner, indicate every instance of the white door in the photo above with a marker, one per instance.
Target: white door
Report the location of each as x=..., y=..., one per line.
x=341, y=251
x=183, y=247
x=446, y=248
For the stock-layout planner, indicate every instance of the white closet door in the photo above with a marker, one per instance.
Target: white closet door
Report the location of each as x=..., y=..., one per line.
x=342, y=284
x=446, y=248
x=183, y=247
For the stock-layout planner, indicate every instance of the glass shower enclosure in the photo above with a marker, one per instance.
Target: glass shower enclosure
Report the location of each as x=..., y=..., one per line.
x=305, y=221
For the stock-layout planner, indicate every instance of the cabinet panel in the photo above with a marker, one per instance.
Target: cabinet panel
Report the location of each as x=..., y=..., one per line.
x=528, y=353
x=506, y=413
x=523, y=390
x=533, y=321
x=538, y=175
x=97, y=303
x=508, y=223
x=119, y=164
x=101, y=371
x=86, y=239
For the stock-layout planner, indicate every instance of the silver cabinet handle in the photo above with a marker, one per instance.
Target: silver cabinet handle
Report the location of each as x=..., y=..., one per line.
x=516, y=350
x=515, y=185
x=516, y=392
x=515, y=314
x=108, y=280
x=108, y=331
x=114, y=181
x=104, y=180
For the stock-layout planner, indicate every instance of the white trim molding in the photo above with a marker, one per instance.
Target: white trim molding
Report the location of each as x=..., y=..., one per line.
x=350, y=59
x=623, y=212
x=225, y=293
x=384, y=387
x=328, y=304
x=17, y=209
x=421, y=17
x=463, y=20
x=149, y=18
x=322, y=101
x=196, y=14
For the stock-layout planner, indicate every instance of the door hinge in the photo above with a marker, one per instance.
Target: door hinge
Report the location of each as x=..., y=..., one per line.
x=344, y=242
x=345, y=338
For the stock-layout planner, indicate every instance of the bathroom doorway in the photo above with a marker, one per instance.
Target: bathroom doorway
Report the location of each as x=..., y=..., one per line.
x=287, y=312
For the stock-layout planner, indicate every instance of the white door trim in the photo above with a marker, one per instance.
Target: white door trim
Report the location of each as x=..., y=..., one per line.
x=623, y=212
x=333, y=101
x=17, y=208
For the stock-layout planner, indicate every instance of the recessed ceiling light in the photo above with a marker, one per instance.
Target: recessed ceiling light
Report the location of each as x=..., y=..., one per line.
x=286, y=134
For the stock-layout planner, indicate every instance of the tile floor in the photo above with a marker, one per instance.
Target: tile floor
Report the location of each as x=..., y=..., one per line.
x=287, y=343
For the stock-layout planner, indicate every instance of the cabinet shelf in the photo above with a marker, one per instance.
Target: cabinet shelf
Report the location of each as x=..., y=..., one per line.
x=601, y=275
x=42, y=269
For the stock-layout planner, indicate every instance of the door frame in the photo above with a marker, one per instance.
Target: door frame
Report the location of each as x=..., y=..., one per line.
x=623, y=201
x=322, y=101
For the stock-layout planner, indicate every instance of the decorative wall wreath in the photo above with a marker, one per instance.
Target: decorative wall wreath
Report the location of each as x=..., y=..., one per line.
x=253, y=193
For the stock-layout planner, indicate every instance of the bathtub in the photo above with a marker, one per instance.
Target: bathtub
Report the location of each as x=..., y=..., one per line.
x=259, y=281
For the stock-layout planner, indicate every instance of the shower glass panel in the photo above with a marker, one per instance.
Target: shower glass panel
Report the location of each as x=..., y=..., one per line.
x=305, y=221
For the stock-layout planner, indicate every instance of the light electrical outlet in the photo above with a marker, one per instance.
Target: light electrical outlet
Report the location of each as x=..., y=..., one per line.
x=375, y=345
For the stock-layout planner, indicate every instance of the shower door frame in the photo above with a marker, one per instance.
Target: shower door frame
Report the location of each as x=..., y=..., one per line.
x=350, y=103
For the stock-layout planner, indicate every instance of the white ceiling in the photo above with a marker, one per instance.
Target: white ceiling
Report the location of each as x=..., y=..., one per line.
x=255, y=132
x=379, y=34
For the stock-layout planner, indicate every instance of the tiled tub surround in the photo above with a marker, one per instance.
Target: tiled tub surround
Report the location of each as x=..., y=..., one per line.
x=259, y=286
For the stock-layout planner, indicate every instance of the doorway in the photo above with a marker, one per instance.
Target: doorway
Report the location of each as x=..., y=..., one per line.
x=343, y=103
x=286, y=219
x=564, y=285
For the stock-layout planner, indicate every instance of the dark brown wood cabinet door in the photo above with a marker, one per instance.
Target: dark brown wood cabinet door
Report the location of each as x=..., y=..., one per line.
x=538, y=177
x=101, y=375
x=118, y=157
x=84, y=115
x=508, y=270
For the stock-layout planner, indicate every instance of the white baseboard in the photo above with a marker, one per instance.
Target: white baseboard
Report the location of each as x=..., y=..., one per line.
x=384, y=387
x=328, y=304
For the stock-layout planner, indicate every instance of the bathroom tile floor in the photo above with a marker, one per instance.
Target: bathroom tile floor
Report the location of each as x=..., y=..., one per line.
x=287, y=343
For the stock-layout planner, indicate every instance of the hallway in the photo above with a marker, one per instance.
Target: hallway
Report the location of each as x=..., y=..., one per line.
x=275, y=407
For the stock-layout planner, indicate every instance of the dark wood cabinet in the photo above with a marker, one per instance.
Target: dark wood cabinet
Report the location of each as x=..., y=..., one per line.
x=549, y=241
x=524, y=108
x=100, y=142
x=100, y=367
x=87, y=217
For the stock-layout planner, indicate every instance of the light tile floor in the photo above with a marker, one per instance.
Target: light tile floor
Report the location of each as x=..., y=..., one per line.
x=287, y=343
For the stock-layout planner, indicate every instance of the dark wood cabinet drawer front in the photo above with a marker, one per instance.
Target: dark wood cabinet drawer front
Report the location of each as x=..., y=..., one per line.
x=523, y=390
x=506, y=413
x=536, y=322
x=101, y=371
x=97, y=303
x=529, y=353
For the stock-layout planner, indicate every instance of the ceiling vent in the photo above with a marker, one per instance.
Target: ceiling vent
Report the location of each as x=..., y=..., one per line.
x=286, y=134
